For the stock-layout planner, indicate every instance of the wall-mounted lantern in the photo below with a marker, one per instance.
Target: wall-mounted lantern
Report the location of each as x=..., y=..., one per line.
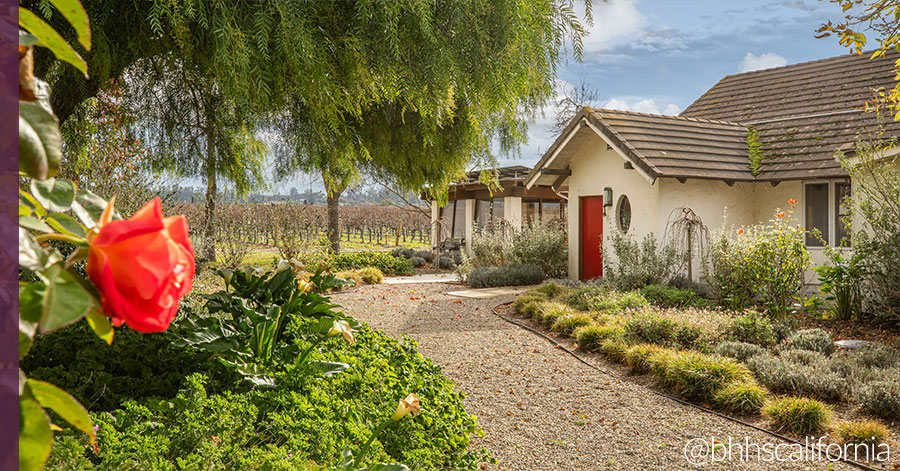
x=607, y=197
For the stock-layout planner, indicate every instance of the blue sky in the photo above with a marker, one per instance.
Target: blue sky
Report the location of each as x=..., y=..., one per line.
x=658, y=56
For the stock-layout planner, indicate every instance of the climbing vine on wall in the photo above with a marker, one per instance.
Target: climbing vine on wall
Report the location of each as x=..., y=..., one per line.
x=754, y=148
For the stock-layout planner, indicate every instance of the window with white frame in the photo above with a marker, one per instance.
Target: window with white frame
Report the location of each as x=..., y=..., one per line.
x=826, y=213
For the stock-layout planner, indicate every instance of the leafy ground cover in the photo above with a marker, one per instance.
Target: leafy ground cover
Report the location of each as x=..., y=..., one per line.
x=204, y=396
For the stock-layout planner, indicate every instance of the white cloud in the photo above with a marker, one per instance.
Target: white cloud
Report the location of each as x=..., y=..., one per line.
x=672, y=109
x=615, y=22
x=763, y=61
x=640, y=105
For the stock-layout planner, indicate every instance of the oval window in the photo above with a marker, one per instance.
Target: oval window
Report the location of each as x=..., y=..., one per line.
x=623, y=214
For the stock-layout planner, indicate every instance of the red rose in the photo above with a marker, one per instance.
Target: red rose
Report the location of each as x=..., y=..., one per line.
x=142, y=267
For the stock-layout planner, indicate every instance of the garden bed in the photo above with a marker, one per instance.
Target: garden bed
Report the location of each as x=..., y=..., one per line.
x=685, y=352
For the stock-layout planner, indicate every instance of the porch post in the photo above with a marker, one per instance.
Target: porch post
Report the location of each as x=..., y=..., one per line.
x=435, y=230
x=512, y=209
x=470, y=224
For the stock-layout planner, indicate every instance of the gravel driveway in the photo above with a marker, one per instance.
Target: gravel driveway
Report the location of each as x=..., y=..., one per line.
x=540, y=408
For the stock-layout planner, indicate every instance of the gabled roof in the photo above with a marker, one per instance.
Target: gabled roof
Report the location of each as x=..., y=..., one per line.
x=658, y=145
x=802, y=114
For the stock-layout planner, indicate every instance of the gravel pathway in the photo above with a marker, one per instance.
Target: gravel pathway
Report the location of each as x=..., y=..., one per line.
x=540, y=408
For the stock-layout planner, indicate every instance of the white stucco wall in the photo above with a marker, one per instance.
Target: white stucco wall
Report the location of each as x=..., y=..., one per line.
x=595, y=166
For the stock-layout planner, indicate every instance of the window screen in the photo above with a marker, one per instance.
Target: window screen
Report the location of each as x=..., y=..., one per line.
x=842, y=214
x=817, y=213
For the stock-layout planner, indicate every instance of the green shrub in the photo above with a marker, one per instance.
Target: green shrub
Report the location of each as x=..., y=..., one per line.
x=667, y=296
x=803, y=357
x=869, y=432
x=387, y=263
x=882, y=398
x=548, y=312
x=876, y=355
x=646, y=357
x=614, y=347
x=876, y=190
x=568, y=324
x=698, y=376
x=741, y=351
x=423, y=254
x=640, y=264
x=417, y=261
x=590, y=337
x=371, y=275
x=840, y=281
x=350, y=275
x=616, y=302
x=765, y=262
x=744, y=397
x=798, y=415
x=133, y=367
x=814, y=340
x=650, y=328
x=517, y=275
x=305, y=420
x=583, y=295
x=550, y=289
x=543, y=245
x=692, y=337
x=781, y=375
x=749, y=328
x=527, y=304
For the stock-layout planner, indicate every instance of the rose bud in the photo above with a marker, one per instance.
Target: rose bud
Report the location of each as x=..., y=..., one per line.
x=142, y=267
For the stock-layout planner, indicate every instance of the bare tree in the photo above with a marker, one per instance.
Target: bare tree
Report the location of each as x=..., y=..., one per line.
x=573, y=100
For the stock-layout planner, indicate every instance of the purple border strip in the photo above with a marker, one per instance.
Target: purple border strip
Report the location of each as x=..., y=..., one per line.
x=9, y=253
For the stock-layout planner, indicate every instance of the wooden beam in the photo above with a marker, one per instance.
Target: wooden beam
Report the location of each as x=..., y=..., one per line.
x=556, y=171
x=559, y=181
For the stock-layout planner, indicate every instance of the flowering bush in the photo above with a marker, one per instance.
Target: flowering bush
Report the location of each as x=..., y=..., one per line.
x=763, y=263
x=138, y=269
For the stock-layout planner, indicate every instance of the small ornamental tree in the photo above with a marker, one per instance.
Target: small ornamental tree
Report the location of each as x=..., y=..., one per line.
x=137, y=269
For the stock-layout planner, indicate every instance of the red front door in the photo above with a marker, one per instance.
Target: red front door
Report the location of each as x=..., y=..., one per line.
x=591, y=237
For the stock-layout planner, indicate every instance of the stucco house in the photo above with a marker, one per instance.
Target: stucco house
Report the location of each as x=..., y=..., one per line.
x=734, y=156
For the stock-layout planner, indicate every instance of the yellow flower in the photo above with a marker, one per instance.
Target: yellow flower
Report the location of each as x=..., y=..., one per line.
x=341, y=328
x=405, y=406
x=304, y=286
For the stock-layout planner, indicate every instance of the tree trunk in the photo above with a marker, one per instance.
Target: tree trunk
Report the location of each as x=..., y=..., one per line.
x=209, y=239
x=332, y=200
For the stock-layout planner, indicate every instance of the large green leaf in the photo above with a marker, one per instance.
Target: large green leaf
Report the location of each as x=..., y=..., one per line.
x=77, y=17
x=40, y=142
x=211, y=339
x=55, y=195
x=65, y=301
x=26, y=199
x=49, y=38
x=31, y=255
x=35, y=437
x=30, y=307
x=388, y=467
x=65, y=224
x=88, y=207
x=59, y=401
x=329, y=368
x=33, y=223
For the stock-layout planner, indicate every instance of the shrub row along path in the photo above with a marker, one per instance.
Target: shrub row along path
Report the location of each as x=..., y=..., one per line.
x=541, y=409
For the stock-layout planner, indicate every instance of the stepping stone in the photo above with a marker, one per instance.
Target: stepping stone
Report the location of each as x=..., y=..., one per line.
x=852, y=344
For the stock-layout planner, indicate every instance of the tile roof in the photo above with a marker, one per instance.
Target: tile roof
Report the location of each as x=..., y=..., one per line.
x=678, y=147
x=802, y=113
